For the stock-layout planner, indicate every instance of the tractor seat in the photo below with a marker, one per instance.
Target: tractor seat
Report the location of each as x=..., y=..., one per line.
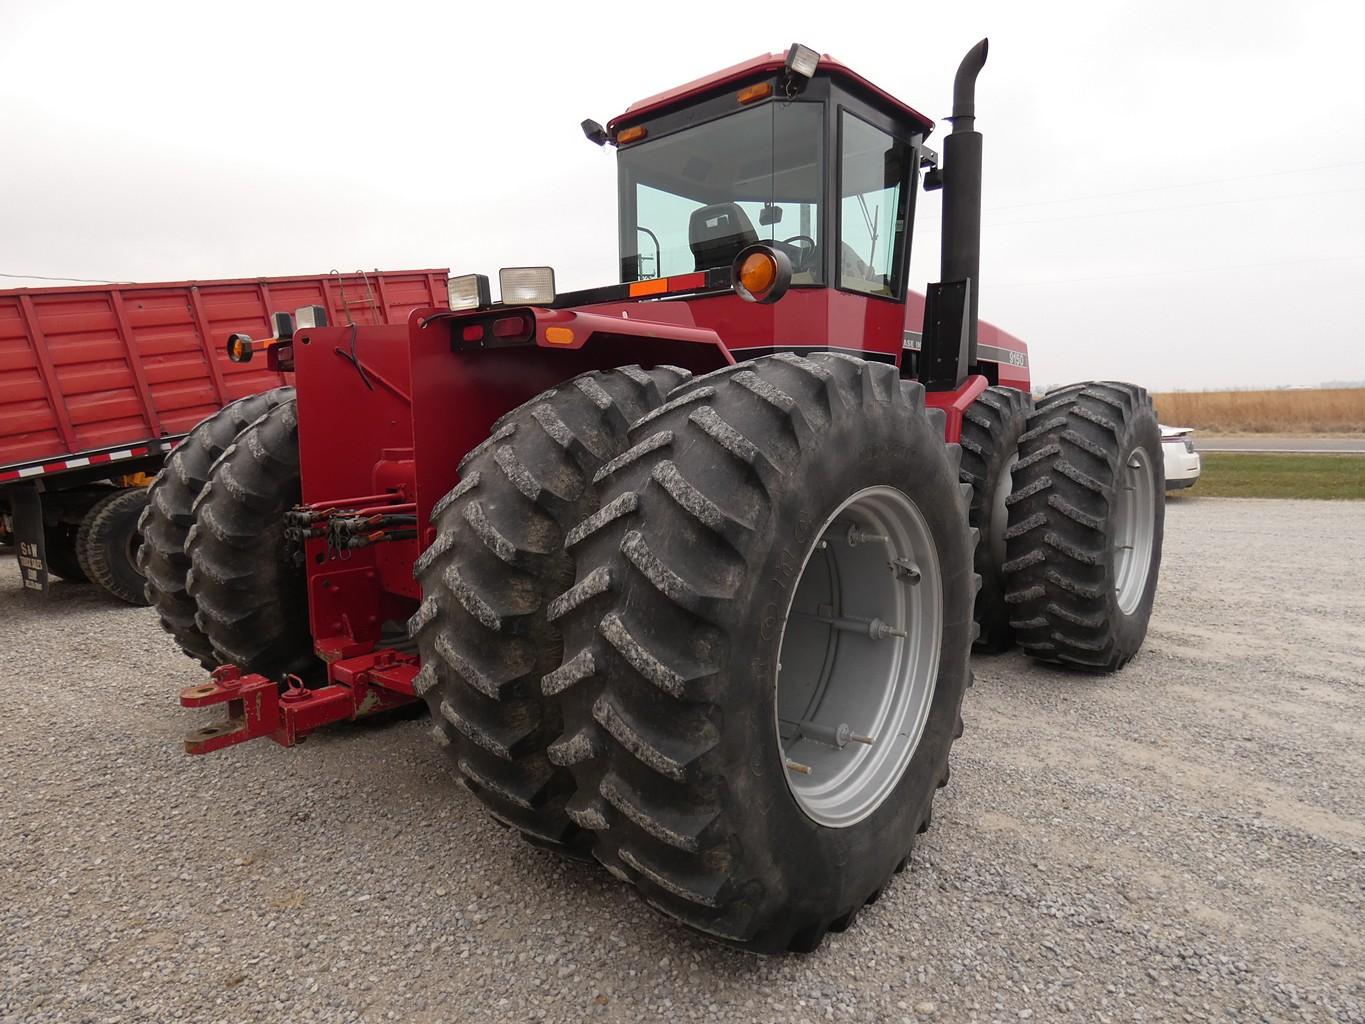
x=717, y=233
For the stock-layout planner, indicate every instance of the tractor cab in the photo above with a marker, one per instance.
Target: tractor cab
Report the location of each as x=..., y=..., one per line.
x=822, y=167
x=792, y=152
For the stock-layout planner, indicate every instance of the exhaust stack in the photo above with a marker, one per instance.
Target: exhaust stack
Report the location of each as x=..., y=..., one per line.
x=960, y=258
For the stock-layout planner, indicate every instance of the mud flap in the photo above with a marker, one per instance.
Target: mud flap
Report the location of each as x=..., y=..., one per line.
x=27, y=507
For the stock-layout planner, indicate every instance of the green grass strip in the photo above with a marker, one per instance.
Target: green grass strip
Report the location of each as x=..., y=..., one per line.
x=1254, y=475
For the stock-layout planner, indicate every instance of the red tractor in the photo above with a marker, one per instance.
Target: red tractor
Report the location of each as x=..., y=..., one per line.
x=685, y=566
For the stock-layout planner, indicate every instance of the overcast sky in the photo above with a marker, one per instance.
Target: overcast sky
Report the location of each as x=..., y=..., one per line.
x=1174, y=192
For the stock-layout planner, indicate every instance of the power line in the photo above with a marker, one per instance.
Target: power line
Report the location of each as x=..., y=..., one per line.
x=1163, y=209
x=1177, y=272
x=1183, y=184
x=81, y=280
x=1177, y=206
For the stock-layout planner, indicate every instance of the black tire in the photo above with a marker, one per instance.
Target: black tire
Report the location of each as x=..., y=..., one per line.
x=1062, y=542
x=81, y=549
x=107, y=544
x=497, y=563
x=667, y=683
x=991, y=427
x=248, y=581
x=170, y=514
x=59, y=549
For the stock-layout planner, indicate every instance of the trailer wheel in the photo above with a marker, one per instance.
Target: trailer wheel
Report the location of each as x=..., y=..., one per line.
x=107, y=544
x=767, y=646
x=59, y=549
x=1086, y=519
x=248, y=582
x=170, y=514
x=496, y=566
x=990, y=447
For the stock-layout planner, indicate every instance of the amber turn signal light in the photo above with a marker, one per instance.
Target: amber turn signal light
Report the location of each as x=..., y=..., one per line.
x=752, y=93
x=239, y=348
x=626, y=135
x=758, y=272
x=762, y=273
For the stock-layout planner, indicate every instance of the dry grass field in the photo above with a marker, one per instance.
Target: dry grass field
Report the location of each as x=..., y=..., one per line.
x=1300, y=411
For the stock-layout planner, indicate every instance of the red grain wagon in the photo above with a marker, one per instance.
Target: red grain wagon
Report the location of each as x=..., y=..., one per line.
x=99, y=383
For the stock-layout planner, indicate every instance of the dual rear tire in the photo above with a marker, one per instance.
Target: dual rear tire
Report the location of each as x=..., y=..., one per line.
x=219, y=572
x=1086, y=520
x=1069, y=501
x=605, y=628
x=491, y=576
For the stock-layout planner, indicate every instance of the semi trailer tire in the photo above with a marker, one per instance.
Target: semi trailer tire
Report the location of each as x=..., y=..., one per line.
x=496, y=565
x=170, y=514
x=249, y=582
x=780, y=570
x=107, y=544
x=60, y=551
x=991, y=427
x=1086, y=519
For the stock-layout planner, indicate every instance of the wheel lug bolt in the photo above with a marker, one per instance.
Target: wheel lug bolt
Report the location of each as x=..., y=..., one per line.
x=857, y=536
x=906, y=571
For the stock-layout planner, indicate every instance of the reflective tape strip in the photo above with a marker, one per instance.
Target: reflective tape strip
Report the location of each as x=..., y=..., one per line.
x=98, y=459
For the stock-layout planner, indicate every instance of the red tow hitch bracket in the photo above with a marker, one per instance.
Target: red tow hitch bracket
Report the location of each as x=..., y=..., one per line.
x=361, y=686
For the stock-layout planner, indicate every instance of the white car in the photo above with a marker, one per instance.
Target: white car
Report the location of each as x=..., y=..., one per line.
x=1182, y=461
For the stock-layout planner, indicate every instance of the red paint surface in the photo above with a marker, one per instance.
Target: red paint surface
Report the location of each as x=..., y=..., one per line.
x=765, y=64
x=101, y=367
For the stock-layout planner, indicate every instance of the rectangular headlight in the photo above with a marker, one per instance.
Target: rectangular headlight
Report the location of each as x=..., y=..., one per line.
x=527, y=286
x=469, y=292
x=310, y=316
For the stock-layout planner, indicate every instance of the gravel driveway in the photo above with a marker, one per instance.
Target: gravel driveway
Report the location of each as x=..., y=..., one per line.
x=1184, y=841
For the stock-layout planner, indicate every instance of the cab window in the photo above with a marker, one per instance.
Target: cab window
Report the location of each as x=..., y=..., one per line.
x=693, y=199
x=873, y=198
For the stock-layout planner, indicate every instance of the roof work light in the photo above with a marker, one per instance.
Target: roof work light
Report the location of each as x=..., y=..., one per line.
x=801, y=64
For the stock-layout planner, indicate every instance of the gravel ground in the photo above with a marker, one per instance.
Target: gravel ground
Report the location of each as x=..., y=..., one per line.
x=1185, y=841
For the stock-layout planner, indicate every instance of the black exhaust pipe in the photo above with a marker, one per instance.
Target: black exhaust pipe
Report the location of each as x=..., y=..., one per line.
x=961, y=233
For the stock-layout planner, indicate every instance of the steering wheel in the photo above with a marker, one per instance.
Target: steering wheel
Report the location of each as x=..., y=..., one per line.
x=803, y=253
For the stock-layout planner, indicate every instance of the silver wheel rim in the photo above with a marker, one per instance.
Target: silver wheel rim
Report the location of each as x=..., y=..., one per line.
x=858, y=656
x=1133, y=529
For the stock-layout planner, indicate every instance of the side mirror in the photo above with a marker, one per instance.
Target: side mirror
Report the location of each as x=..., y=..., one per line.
x=595, y=133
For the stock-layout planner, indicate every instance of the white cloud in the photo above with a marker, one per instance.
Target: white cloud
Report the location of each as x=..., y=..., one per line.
x=168, y=140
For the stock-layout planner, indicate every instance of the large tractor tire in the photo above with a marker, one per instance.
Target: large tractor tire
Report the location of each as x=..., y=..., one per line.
x=248, y=582
x=767, y=646
x=107, y=544
x=496, y=565
x=991, y=427
x=170, y=514
x=1086, y=519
